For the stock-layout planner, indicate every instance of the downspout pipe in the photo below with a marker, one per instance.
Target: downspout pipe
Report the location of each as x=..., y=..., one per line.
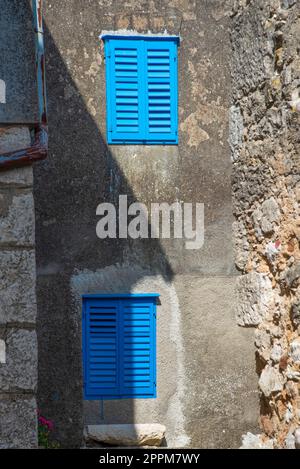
x=39, y=148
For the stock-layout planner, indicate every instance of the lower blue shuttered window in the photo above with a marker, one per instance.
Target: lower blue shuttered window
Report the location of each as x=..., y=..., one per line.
x=119, y=346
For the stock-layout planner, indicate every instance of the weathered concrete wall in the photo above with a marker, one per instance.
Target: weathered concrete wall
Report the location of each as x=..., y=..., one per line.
x=18, y=85
x=196, y=286
x=265, y=149
x=18, y=342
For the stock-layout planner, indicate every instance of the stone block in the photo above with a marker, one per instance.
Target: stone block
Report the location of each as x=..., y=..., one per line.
x=236, y=128
x=241, y=245
x=17, y=177
x=2, y=351
x=20, y=370
x=254, y=293
x=263, y=343
x=16, y=218
x=18, y=423
x=270, y=215
x=17, y=287
x=270, y=381
x=292, y=275
x=142, y=434
x=296, y=312
x=297, y=438
x=295, y=351
x=14, y=138
x=251, y=441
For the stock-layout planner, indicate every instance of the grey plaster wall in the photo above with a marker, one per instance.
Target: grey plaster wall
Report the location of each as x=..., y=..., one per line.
x=199, y=346
x=18, y=87
x=18, y=358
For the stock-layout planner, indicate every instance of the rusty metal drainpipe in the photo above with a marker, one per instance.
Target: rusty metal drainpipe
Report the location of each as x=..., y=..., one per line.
x=39, y=147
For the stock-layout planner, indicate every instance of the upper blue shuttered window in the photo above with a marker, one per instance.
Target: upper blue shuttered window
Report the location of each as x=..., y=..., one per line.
x=119, y=346
x=141, y=89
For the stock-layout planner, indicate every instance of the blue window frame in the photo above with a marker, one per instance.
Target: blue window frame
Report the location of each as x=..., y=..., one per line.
x=119, y=346
x=141, y=89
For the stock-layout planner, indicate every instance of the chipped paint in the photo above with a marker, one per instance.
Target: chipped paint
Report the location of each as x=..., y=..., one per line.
x=208, y=114
x=91, y=107
x=195, y=134
x=140, y=22
x=93, y=71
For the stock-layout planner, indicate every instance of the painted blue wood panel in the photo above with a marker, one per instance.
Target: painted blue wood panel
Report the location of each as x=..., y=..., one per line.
x=141, y=90
x=119, y=346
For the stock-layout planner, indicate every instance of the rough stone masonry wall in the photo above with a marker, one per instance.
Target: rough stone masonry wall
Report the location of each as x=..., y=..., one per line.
x=265, y=123
x=18, y=345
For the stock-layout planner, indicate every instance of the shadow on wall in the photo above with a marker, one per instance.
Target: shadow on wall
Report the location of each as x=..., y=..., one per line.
x=79, y=174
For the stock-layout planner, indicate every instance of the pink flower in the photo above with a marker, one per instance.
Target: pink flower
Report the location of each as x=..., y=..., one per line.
x=45, y=423
x=50, y=424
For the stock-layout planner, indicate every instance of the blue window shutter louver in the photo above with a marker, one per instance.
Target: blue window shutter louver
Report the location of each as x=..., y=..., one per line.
x=137, y=357
x=124, y=80
x=141, y=90
x=119, y=346
x=161, y=91
x=101, y=334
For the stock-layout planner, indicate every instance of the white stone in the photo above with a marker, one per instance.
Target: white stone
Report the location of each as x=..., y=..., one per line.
x=236, y=127
x=288, y=416
x=251, y=441
x=254, y=294
x=275, y=331
x=297, y=438
x=295, y=351
x=292, y=374
x=264, y=217
x=2, y=351
x=276, y=353
x=2, y=92
x=241, y=245
x=263, y=343
x=290, y=441
x=271, y=380
x=142, y=434
x=270, y=210
x=17, y=222
x=272, y=250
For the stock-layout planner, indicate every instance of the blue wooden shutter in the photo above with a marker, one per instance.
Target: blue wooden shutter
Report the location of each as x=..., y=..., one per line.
x=124, y=81
x=119, y=346
x=137, y=348
x=141, y=84
x=100, y=348
x=161, y=91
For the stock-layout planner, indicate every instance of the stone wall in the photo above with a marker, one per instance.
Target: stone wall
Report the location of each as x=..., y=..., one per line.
x=18, y=344
x=264, y=137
